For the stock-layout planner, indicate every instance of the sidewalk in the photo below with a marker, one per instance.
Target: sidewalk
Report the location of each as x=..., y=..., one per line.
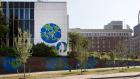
x=77, y=76
x=101, y=76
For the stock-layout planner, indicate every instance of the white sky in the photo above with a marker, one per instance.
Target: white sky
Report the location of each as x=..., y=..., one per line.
x=97, y=13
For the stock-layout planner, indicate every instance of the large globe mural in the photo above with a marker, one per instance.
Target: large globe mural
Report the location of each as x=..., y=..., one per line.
x=50, y=33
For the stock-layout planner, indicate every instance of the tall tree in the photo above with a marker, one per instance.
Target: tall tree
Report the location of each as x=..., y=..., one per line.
x=80, y=45
x=74, y=40
x=121, y=51
x=3, y=28
x=85, y=47
x=112, y=57
x=23, y=46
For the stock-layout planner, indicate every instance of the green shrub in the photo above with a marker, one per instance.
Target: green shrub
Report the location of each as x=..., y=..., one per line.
x=72, y=54
x=7, y=51
x=43, y=50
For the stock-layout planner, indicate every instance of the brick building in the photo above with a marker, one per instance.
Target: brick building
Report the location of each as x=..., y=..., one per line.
x=135, y=41
x=105, y=40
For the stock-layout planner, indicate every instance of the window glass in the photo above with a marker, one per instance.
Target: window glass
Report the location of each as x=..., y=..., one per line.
x=4, y=4
x=10, y=28
x=27, y=5
x=16, y=13
x=27, y=14
x=11, y=4
x=21, y=24
x=31, y=4
x=16, y=25
x=16, y=4
x=27, y=25
x=32, y=28
x=31, y=13
x=21, y=13
x=11, y=13
x=11, y=33
x=21, y=4
x=4, y=11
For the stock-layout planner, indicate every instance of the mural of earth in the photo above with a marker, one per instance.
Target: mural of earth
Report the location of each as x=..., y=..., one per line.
x=62, y=46
x=50, y=33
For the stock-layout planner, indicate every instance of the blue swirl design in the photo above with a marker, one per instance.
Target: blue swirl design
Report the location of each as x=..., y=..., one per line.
x=62, y=43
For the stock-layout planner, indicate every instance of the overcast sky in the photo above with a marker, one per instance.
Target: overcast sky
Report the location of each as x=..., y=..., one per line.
x=97, y=13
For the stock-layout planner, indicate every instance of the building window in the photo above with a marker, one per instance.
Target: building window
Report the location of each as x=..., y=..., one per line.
x=21, y=4
x=11, y=5
x=3, y=4
x=16, y=26
x=27, y=25
x=16, y=4
x=32, y=28
x=11, y=13
x=31, y=4
x=22, y=24
x=27, y=5
x=21, y=13
x=27, y=14
x=31, y=13
x=4, y=11
x=16, y=12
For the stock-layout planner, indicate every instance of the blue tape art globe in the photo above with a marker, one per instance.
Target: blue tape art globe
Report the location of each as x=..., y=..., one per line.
x=50, y=33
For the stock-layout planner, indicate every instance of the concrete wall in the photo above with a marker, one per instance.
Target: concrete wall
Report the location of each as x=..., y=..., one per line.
x=8, y=64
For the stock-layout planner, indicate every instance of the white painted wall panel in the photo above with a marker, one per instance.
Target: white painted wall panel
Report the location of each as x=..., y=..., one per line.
x=51, y=12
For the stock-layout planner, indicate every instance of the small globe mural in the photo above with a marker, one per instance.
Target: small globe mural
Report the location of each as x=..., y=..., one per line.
x=62, y=46
x=50, y=33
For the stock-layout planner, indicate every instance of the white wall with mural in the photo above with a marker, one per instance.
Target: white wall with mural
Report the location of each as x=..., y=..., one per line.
x=51, y=25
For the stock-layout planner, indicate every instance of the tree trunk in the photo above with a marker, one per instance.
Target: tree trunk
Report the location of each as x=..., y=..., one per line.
x=0, y=42
x=81, y=70
x=24, y=66
x=113, y=64
x=127, y=62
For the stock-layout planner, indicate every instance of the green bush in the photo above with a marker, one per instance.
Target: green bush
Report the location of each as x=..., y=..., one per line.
x=43, y=50
x=72, y=54
x=7, y=51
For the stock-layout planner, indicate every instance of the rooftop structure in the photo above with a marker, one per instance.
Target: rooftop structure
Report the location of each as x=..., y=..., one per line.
x=114, y=25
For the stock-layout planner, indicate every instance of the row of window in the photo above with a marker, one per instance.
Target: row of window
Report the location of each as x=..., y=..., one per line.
x=18, y=4
x=106, y=34
x=20, y=13
x=27, y=25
